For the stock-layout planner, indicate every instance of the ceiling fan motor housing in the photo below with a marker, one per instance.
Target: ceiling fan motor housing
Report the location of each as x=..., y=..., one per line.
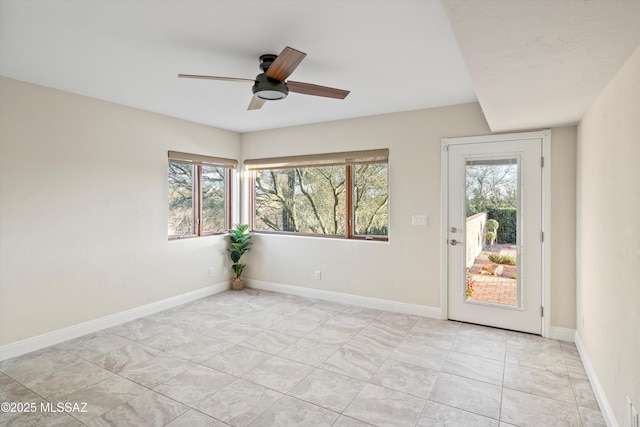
x=266, y=60
x=269, y=89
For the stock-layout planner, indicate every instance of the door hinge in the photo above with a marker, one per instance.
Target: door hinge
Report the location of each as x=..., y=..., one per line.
x=542, y=236
x=542, y=162
x=541, y=311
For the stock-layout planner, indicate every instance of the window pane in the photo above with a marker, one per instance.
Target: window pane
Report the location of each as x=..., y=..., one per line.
x=213, y=198
x=304, y=200
x=181, y=208
x=370, y=199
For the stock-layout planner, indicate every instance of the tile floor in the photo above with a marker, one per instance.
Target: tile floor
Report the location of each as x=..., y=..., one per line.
x=257, y=358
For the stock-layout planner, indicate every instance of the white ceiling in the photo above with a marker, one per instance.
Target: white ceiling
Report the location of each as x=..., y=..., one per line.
x=532, y=63
x=541, y=63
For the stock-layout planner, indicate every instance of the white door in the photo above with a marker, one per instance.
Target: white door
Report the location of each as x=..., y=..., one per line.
x=495, y=276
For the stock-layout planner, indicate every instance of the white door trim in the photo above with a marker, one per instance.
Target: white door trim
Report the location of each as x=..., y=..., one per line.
x=545, y=136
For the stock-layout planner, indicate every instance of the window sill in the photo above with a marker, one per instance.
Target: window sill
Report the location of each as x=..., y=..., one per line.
x=320, y=236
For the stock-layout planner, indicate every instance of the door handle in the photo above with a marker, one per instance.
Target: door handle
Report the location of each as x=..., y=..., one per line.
x=454, y=242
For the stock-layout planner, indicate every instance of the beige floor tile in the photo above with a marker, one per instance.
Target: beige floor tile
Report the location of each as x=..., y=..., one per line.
x=103, y=396
x=419, y=354
x=291, y=412
x=479, y=346
x=148, y=409
x=435, y=414
x=384, y=407
x=278, y=374
x=404, y=377
x=352, y=361
x=474, y=367
x=524, y=409
x=469, y=395
x=591, y=417
x=196, y=419
x=327, y=389
x=261, y=358
x=237, y=360
x=240, y=403
x=269, y=341
x=539, y=382
x=309, y=352
x=194, y=385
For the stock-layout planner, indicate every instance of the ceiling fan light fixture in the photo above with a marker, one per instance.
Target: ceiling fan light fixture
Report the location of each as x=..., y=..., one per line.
x=269, y=89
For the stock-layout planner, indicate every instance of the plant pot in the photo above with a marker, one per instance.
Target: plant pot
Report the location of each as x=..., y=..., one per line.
x=237, y=283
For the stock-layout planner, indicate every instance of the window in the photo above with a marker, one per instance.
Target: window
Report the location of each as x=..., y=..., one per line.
x=199, y=194
x=337, y=194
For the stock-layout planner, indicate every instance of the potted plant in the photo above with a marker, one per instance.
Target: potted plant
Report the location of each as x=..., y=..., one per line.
x=492, y=225
x=239, y=244
x=490, y=237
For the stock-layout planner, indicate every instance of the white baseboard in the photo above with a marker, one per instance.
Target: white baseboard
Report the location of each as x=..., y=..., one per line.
x=360, y=301
x=605, y=408
x=56, y=337
x=562, y=334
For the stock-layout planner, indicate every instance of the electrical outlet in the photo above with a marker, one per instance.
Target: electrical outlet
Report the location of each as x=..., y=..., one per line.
x=318, y=275
x=212, y=271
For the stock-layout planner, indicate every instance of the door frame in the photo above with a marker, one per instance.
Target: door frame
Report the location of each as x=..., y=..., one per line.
x=545, y=137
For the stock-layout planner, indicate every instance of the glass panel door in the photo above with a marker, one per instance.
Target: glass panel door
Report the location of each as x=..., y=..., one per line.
x=491, y=230
x=494, y=216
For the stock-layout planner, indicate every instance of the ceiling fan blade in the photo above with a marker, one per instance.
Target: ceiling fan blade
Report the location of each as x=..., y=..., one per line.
x=229, y=79
x=285, y=64
x=317, y=90
x=256, y=103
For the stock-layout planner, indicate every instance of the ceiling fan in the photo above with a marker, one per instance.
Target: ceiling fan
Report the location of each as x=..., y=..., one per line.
x=270, y=85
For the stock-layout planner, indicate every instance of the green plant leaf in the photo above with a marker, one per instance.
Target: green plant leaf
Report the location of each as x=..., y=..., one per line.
x=492, y=225
x=239, y=242
x=238, y=268
x=235, y=256
x=502, y=259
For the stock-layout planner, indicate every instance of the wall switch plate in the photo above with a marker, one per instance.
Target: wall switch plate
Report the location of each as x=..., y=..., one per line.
x=318, y=275
x=422, y=220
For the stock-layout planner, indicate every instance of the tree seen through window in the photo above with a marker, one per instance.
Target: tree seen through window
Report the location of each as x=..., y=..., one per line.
x=313, y=200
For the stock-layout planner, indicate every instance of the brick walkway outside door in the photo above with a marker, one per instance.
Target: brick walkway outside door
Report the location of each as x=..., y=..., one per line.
x=494, y=289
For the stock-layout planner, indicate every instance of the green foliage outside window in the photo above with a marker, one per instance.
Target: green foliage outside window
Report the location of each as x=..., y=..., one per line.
x=507, y=217
x=196, y=199
x=181, y=199
x=494, y=189
x=213, y=199
x=313, y=200
x=371, y=196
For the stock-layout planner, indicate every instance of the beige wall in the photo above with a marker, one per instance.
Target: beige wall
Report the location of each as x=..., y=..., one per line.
x=563, y=230
x=608, y=195
x=83, y=209
x=407, y=268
